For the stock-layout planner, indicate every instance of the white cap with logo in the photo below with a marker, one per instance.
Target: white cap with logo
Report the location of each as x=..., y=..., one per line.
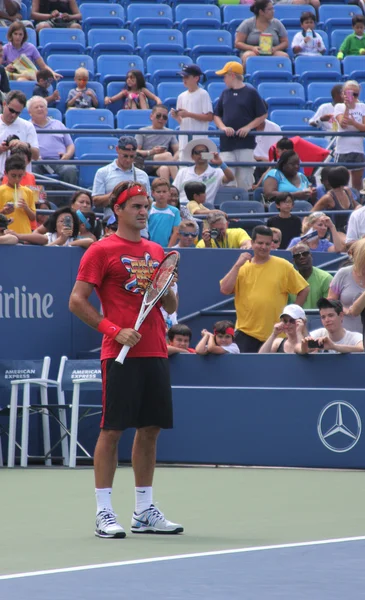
x=294, y=311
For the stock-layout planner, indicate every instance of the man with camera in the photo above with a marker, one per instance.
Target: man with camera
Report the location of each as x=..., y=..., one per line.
x=217, y=235
x=15, y=131
x=208, y=169
x=332, y=337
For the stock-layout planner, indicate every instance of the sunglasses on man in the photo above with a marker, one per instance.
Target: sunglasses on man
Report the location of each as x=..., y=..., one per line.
x=161, y=116
x=186, y=234
x=305, y=253
x=13, y=111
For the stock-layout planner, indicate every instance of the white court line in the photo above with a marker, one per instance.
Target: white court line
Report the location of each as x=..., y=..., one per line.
x=181, y=556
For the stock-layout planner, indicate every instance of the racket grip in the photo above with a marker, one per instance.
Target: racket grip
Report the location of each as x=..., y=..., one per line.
x=122, y=354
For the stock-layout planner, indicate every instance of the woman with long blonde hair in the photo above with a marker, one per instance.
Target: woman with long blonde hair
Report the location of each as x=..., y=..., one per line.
x=320, y=223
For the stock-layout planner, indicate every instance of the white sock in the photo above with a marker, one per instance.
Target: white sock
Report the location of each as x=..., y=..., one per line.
x=103, y=499
x=143, y=499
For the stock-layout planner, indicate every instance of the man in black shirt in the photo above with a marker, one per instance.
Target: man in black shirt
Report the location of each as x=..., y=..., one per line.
x=289, y=225
x=239, y=110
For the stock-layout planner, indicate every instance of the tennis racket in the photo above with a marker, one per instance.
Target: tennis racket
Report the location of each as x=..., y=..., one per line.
x=161, y=279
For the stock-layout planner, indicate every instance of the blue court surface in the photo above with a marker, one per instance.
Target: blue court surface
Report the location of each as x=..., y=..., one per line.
x=323, y=570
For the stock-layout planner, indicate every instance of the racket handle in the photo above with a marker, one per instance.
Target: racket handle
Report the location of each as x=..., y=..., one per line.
x=122, y=354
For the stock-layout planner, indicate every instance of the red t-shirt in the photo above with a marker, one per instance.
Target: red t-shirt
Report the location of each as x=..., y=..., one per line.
x=120, y=271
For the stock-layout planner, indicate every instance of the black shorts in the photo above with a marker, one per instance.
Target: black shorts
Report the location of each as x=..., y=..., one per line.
x=351, y=157
x=136, y=394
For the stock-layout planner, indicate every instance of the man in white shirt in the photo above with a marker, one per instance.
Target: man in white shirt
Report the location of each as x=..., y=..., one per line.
x=324, y=119
x=332, y=337
x=356, y=226
x=12, y=125
x=264, y=142
x=194, y=109
x=213, y=172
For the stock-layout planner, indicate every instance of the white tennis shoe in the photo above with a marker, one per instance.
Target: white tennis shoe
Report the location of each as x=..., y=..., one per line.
x=107, y=525
x=152, y=520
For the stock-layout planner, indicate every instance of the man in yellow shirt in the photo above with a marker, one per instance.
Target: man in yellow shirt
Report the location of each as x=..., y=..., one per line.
x=15, y=199
x=217, y=235
x=261, y=284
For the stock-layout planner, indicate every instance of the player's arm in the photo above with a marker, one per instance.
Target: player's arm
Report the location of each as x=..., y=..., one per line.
x=174, y=237
x=80, y=306
x=169, y=302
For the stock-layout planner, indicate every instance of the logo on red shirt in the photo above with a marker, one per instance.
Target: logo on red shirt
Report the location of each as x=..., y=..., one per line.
x=140, y=271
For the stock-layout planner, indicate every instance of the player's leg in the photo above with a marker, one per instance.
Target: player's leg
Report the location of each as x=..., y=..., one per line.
x=105, y=464
x=155, y=413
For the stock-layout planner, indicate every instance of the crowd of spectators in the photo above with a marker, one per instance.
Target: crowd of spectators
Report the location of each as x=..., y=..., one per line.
x=184, y=208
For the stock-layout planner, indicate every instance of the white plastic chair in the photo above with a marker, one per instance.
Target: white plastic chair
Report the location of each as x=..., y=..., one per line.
x=88, y=385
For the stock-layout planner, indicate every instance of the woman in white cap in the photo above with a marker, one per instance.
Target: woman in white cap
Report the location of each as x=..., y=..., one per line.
x=293, y=323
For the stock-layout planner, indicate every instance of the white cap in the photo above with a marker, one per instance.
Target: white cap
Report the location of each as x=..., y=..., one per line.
x=294, y=311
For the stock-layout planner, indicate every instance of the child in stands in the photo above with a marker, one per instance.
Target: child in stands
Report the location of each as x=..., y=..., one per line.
x=195, y=193
x=218, y=342
x=354, y=44
x=135, y=93
x=179, y=338
x=163, y=220
x=289, y=225
x=15, y=199
x=44, y=80
x=81, y=96
x=308, y=42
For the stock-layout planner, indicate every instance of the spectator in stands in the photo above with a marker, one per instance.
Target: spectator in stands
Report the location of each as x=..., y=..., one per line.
x=63, y=228
x=89, y=227
x=318, y=280
x=44, y=80
x=332, y=337
x=163, y=219
x=42, y=219
x=287, y=178
x=264, y=143
x=324, y=116
x=163, y=148
x=216, y=233
x=4, y=81
x=81, y=200
x=315, y=228
x=275, y=151
x=15, y=131
x=110, y=226
x=6, y=238
x=350, y=116
x=221, y=341
x=261, y=34
x=188, y=233
x=339, y=197
x=121, y=169
x=348, y=285
x=52, y=146
x=324, y=186
x=179, y=338
x=293, y=323
x=135, y=93
x=354, y=44
x=314, y=3
x=212, y=172
x=15, y=199
x=261, y=284
x=16, y=47
x=289, y=225
x=28, y=179
x=10, y=11
x=195, y=193
x=60, y=13
x=356, y=226
x=174, y=200
x=276, y=238
x=308, y=42
x=239, y=110
x=82, y=96
x=194, y=109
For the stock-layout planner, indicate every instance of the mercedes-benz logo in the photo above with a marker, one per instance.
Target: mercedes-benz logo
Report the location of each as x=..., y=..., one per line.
x=339, y=426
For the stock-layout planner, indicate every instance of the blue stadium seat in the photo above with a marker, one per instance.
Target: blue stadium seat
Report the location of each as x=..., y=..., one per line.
x=66, y=64
x=168, y=91
x=215, y=89
x=114, y=67
x=285, y=95
x=110, y=41
x=334, y=16
x=197, y=16
x=291, y=34
x=337, y=37
x=292, y=119
x=248, y=206
x=79, y=118
x=65, y=86
x=159, y=41
x=233, y=15
x=26, y=87
x=302, y=206
x=87, y=172
x=95, y=145
x=115, y=87
x=268, y=68
x=228, y=193
x=133, y=119
x=205, y=41
x=167, y=69
x=316, y=68
x=32, y=36
x=64, y=41
x=149, y=15
x=289, y=14
x=353, y=68
x=318, y=93
x=100, y=16
x=210, y=64
x=273, y=208
x=54, y=113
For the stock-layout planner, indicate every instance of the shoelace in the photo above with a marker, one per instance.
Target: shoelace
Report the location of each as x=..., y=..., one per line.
x=155, y=515
x=108, y=517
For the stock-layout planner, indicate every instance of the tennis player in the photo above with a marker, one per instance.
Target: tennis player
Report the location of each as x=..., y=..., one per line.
x=137, y=393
